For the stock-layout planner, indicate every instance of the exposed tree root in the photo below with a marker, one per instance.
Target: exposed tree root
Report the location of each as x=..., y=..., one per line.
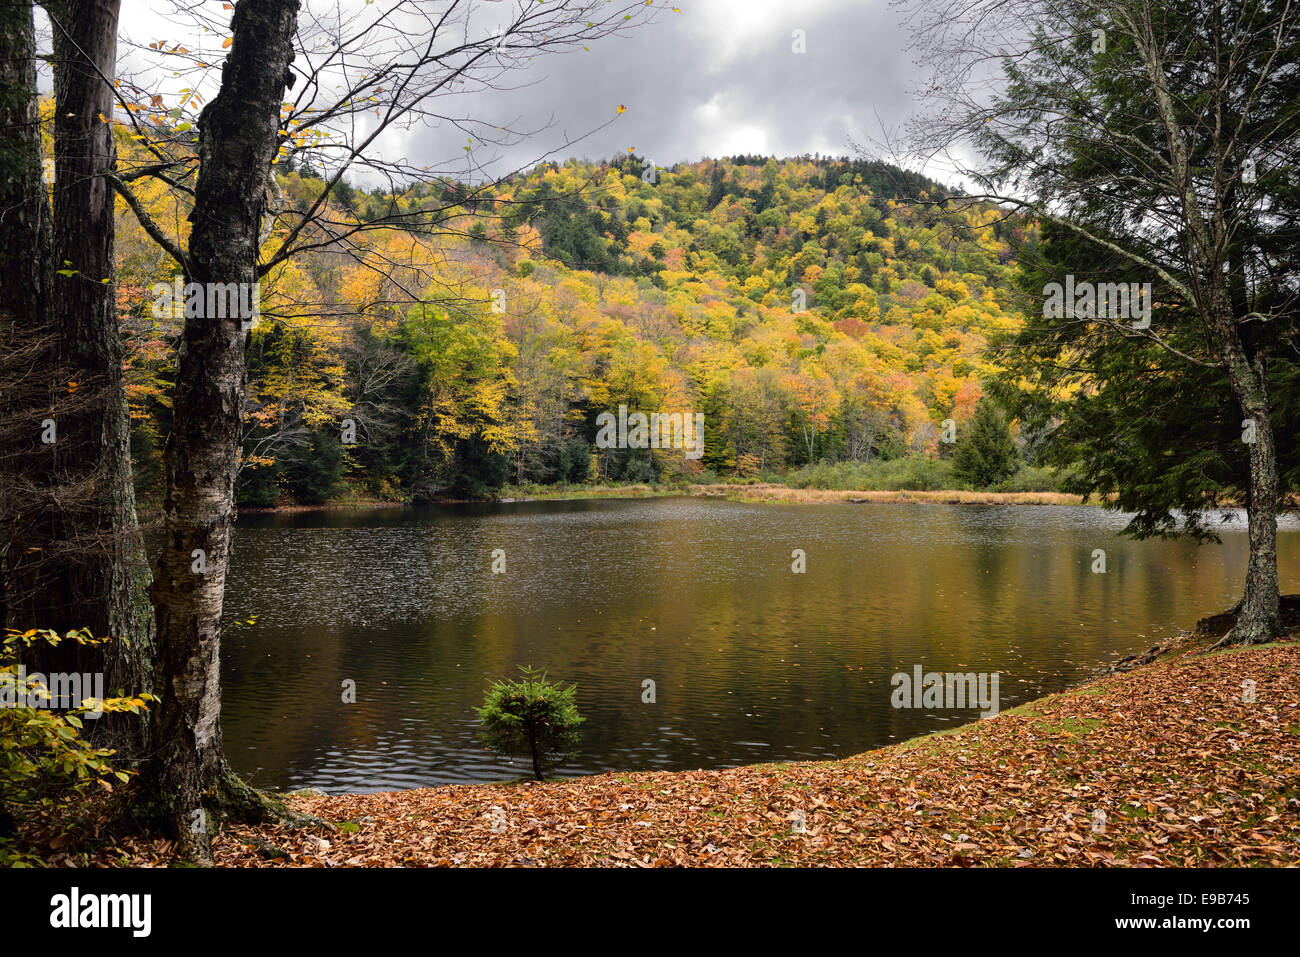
x=1233, y=631
x=239, y=802
x=1253, y=635
x=193, y=824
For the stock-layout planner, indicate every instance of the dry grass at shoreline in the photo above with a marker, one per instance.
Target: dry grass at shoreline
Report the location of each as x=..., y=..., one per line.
x=783, y=494
x=733, y=491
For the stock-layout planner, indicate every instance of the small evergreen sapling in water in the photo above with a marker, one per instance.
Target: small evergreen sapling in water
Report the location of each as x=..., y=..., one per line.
x=531, y=717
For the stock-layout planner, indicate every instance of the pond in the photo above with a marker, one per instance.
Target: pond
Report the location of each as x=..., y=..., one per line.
x=751, y=661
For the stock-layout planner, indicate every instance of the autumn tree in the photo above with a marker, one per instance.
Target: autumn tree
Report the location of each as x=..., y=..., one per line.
x=1162, y=138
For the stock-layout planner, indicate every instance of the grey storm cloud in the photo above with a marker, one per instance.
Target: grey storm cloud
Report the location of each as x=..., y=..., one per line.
x=698, y=85
x=717, y=79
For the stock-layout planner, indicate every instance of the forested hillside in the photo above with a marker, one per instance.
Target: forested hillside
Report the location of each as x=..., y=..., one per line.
x=812, y=309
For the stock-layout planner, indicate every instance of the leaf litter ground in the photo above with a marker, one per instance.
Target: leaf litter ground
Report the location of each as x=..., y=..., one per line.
x=1166, y=765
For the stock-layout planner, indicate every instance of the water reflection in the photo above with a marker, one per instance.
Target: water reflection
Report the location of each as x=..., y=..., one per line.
x=751, y=662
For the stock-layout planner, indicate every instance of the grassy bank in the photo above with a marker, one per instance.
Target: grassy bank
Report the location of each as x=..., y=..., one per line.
x=777, y=492
x=323, y=507
x=1184, y=772
x=784, y=493
x=911, y=478
x=774, y=492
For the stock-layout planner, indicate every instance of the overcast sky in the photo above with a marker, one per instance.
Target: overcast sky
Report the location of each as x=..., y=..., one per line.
x=718, y=78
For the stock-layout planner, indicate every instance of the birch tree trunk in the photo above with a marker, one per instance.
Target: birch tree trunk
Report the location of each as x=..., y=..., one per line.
x=238, y=139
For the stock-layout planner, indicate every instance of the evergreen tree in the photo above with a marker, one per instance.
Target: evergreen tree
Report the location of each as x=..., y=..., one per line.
x=314, y=474
x=1202, y=213
x=533, y=718
x=986, y=453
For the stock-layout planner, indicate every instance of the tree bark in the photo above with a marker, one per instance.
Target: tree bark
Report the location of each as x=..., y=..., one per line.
x=238, y=139
x=1260, y=619
x=537, y=758
x=25, y=240
x=24, y=207
x=107, y=591
x=75, y=556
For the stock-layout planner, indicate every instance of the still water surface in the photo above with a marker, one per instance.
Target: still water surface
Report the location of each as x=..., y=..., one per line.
x=751, y=662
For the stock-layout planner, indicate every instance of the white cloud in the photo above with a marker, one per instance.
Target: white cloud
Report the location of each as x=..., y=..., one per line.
x=730, y=29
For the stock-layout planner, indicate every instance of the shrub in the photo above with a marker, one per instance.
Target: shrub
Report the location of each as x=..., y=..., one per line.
x=531, y=717
x=1032, y=479
x=911, y=473
x=47, y=770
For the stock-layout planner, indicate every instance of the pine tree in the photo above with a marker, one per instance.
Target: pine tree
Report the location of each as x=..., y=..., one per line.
x=531, y=717
x=986, y=453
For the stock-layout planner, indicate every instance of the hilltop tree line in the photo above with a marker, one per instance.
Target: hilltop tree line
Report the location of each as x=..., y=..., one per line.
x=814, y=310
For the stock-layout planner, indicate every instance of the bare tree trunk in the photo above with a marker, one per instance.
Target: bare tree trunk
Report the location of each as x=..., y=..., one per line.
x=24, y=209
x=25, y=238
x=76, y=559
x=237, y=143
x=25, y=234
x=107, y=589
x=1260, y=619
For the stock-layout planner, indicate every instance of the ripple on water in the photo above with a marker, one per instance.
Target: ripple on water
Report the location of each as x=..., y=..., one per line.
x=751, y=662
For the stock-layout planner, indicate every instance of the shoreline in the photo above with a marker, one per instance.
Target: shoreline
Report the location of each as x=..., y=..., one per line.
x=324, y=507
x=1157, y=760
x=760, y=493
